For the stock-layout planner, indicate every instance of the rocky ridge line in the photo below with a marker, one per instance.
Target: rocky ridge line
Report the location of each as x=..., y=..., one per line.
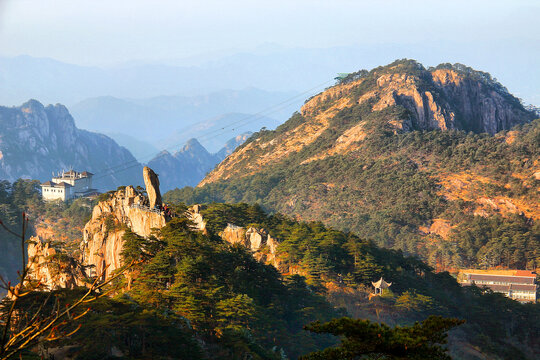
x=444, y=98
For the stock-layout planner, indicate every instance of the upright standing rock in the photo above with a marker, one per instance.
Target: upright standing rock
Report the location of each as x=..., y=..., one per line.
x=151, y=181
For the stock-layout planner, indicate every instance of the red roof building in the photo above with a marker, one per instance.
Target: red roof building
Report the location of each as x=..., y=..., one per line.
x=519, y=285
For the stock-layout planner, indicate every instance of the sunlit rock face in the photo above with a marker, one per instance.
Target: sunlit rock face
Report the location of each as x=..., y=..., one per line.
x=262, y=245
x=103, y=235
x=50, y=268
x=448, y=97
x=151, y=181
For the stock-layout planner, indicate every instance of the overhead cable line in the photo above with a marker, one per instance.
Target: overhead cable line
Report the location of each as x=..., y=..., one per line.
x=211, y=134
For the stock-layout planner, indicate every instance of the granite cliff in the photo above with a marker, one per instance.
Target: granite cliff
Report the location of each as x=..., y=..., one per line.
x=52, y=268
x=102, y=242
x=36, y=140
x=257, y=239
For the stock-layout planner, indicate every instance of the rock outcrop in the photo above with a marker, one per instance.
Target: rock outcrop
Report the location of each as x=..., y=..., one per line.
x=262, y=244
x=102, y=242
x=52, y=268
x=258, y=240
x=36, y=140
x=194, y=214
x=151, y=181
x=454, y=101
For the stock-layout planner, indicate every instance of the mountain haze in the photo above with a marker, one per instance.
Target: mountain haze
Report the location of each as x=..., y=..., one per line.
x=153, y=119
x=189, y=165
x=215, y=132
x=271, y=67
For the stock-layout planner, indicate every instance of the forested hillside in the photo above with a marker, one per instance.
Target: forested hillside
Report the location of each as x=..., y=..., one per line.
x=442, y=163
x=193, y=295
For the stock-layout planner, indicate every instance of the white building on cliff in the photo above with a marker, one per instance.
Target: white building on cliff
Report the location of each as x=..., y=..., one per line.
x=68, y=185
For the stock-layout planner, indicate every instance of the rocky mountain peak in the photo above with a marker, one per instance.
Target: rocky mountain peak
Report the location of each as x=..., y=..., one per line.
x=401, y=97
x=32, y=105
x=193, y=146
x=191, y=163
x=36, y=140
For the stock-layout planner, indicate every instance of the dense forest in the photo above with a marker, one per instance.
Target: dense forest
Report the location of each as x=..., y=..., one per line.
x=195, y=296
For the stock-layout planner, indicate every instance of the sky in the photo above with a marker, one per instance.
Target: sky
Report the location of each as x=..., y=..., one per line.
x=108, y=32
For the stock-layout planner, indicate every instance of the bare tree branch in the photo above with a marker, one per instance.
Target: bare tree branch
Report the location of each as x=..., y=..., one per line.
x=41, y=327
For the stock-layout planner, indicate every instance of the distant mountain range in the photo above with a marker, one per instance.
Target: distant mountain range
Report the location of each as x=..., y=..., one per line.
x=37, y=140
x=274, y=68
x=153, y=119
x=189, y=165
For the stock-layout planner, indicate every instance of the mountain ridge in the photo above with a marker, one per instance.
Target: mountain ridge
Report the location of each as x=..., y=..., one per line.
x=363, y=157
x=403, y=84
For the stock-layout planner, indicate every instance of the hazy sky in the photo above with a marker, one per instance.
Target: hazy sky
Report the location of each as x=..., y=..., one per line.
x=112, y=31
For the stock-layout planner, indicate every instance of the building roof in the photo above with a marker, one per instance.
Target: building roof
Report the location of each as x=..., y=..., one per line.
x=527, y=273
x=507, y=288
x=381, y=284
x=499, y=278
x=499, y=288
x=53, y=184
x=63, y=184
x=531, y=288
x=72, y=174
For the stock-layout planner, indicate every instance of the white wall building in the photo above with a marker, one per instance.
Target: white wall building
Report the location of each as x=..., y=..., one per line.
x=67, y=185
x=519, y=285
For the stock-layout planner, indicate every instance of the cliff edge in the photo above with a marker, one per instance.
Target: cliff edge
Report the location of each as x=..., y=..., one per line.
x=102, y=242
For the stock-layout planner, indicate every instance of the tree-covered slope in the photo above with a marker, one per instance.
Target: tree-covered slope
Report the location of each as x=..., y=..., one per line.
x=192, y=295
x=220, y=287
x=442, y=163
x=55, y=221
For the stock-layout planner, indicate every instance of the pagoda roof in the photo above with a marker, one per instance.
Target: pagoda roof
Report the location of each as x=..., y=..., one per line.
x=381, y=284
